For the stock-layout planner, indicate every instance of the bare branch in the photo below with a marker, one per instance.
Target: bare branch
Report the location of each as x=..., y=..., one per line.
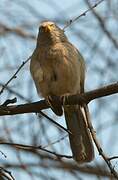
x=112, y=158
x=14, y=75
x=4, y=29
x=99, y=148
x=65, y=166
x=54, y=122
x=83, y=98
x=5, y=174
x=29, y=147
x=83, y=14
x=103, y=26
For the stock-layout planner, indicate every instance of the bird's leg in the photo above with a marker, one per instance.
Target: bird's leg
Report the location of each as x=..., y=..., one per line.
x=56, y=107
x=64, y=97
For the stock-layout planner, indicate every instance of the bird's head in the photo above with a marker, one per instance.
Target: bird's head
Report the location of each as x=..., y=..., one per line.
x=50, y=33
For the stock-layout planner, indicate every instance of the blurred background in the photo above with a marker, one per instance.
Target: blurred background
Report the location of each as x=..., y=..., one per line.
x=96, y=37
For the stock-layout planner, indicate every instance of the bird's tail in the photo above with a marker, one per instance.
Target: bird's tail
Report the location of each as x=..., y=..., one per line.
x=80, y=139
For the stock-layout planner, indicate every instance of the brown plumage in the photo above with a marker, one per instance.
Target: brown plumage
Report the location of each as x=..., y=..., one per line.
x=58, y=68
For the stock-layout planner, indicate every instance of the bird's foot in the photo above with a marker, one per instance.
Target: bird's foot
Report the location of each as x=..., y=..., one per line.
x=54, y=105
x=64, y=98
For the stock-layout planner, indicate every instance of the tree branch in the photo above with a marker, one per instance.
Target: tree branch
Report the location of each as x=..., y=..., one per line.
x=57, y=161
x=103, y=26
x=14, y=75
x=83, y=14
x=80, y=99
x=4, y=29
x=99, y=148
x=83, y=98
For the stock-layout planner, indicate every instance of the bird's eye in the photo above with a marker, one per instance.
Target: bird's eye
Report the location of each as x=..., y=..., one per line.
x=51, y=25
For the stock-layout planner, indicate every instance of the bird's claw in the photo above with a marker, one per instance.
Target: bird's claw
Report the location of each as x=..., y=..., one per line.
x=56, y=107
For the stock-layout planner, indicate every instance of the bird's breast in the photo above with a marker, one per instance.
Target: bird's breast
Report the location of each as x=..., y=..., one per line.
x=59, y=73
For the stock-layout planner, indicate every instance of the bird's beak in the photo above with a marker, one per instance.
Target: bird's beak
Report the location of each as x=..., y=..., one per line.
x=48, y=28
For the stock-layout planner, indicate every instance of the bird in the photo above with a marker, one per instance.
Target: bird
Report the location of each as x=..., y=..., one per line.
x=58, y=69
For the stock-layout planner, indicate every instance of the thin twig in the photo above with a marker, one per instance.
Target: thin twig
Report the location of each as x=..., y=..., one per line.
x=112, y=158
x=6, y=174
x=3, y=154
x=9, y=101
x=54, y=122
x=83, y=14
x=100, y=150
x=12, y=91
x=101, y=172
x=57, y=141
x=14, y=75
x=30, y=147
x=103, y=26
